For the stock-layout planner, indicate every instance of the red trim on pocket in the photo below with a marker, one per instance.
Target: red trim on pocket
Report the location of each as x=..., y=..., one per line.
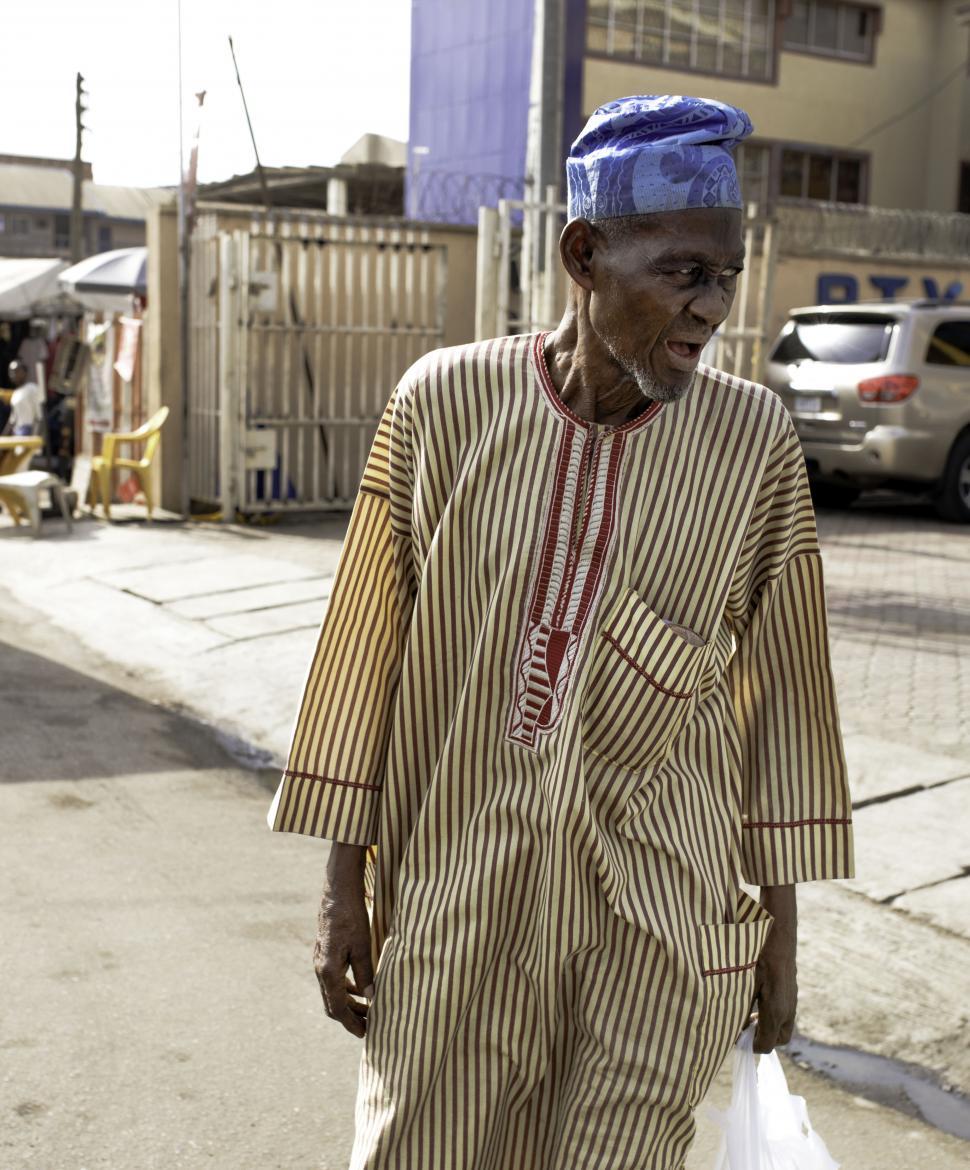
x=730, y=970
x=639, y=669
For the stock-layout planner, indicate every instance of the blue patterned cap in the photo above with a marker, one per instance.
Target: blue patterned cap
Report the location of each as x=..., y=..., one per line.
x=655, y=153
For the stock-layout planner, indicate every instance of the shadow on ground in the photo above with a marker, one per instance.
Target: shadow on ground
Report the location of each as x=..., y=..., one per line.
x=60, y=724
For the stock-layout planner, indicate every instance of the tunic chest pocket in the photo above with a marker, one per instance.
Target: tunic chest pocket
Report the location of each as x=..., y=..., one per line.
x=642, y=686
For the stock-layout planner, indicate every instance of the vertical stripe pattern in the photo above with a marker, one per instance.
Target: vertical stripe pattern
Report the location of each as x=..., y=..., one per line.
x=573, y=683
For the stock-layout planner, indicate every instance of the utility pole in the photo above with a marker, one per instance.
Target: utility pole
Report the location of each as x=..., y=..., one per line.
x=543, y=146
x=77, y=219
x=544, y=139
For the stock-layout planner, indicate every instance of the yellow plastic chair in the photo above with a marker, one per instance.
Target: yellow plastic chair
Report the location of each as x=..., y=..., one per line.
x=16, y=452
x=104, y=465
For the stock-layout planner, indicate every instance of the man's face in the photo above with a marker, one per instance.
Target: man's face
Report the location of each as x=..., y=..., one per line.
x=662, y=285
x=17, y=374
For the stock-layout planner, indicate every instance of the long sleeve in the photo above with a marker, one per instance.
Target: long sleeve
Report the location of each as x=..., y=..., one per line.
x=796, y=806
x=334, y=773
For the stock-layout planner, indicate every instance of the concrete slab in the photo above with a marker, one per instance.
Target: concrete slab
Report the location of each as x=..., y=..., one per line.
x=877, y=979
x=946, y=905
x=913, y=841
x=206, y=575
x=881, y=766
x=138, y=635
x=258, y=597
x=261, y=623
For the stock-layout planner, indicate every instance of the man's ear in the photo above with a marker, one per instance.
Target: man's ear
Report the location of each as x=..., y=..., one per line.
x=577, y=245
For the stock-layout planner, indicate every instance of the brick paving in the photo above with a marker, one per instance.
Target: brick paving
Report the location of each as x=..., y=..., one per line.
x=898, y=591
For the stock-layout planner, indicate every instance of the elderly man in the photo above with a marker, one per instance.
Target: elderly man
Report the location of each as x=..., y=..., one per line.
x=574, y=686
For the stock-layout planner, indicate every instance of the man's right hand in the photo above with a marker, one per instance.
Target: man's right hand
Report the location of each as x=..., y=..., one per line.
x=343, y=940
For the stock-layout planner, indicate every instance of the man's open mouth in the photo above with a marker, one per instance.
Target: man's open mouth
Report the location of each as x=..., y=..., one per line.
x=685, y=349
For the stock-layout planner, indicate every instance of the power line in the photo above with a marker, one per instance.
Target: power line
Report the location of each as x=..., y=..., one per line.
x=961, y=68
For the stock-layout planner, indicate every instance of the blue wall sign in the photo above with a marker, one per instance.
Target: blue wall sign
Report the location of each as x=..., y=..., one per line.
x=842, y=288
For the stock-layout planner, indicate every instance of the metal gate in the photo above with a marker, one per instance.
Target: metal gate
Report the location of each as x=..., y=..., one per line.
x=522, y=286
x=300, y=329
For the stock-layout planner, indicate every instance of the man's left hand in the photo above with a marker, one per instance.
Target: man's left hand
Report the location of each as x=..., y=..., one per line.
x=776, y=986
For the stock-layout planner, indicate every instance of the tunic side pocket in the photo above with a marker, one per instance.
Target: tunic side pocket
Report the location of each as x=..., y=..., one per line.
x=728, y=954
x=642, y=685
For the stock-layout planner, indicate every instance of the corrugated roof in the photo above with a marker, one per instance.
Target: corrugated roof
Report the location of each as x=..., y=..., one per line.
x=51, y=190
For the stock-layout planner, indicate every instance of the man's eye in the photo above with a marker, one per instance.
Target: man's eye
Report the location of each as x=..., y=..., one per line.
x=691, y=270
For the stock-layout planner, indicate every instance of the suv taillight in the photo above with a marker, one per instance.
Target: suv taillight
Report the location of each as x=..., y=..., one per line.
x=888, y=388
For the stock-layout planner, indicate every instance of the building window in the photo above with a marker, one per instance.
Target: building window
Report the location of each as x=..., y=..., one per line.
x=827, y=176
x=731, y=38
x=950, y=345
x=963, y=199
x=832, y=28
x=20, y=225
x=41, y=224
x=753, y=163
x=104, y=238
x=62, y=231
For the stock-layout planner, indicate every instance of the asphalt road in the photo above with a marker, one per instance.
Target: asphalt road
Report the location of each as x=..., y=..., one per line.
x=158, y=1009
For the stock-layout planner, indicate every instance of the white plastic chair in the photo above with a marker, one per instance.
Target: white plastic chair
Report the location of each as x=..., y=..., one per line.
x=20, y=495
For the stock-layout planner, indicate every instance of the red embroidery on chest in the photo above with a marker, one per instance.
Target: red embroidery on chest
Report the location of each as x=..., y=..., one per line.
x=578, y=532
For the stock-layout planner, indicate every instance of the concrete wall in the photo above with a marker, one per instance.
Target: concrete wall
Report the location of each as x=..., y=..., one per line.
x=914, y=163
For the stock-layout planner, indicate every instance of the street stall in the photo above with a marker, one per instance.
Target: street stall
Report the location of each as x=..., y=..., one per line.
x=110, y=288
x=38, y=327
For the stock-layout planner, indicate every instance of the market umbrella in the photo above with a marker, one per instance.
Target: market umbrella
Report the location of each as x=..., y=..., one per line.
x=106, y=281
x=27, y=286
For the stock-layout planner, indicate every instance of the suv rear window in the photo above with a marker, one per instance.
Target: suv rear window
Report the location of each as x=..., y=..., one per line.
x=844, y=338
x=950, y=345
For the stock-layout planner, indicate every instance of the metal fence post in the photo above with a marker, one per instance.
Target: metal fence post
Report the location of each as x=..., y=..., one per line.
x=766, y=279
x=504, y=267
x=486, y=275
x=550, y=310
x=230, y=439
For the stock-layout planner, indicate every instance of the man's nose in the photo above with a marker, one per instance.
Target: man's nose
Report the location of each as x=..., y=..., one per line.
x=711, y=303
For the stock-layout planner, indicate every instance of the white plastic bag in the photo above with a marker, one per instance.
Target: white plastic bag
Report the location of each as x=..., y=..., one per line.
x=765, y=1127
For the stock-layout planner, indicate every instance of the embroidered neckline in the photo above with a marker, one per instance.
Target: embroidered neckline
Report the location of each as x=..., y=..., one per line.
x=549, y=390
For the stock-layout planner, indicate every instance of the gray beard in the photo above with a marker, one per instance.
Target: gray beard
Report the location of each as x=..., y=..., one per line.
x=648, y=385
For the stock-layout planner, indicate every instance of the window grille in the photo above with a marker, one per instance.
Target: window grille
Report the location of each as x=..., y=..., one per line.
x=731, y=38
x=832, y=29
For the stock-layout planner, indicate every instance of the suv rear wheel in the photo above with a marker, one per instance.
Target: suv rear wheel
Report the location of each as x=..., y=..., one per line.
x=953, y=498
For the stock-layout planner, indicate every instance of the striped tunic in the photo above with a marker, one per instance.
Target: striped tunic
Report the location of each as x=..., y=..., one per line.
x=574, y=685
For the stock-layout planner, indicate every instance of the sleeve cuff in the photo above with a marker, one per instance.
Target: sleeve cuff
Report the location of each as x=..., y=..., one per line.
x=327, y=807
x=780, y=853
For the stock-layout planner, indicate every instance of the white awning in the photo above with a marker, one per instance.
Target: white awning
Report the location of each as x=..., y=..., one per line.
x=29, y=286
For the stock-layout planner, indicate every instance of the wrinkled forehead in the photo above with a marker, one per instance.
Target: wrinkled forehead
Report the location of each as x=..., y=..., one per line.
x=697, y=233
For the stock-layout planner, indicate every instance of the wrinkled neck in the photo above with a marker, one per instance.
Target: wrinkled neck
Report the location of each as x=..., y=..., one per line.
x=584, y=373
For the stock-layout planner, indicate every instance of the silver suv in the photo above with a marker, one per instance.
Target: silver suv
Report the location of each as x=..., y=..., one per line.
x=880, y=396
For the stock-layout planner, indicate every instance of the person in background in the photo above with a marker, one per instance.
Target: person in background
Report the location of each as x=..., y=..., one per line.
x=33, y=348
x=26, y=402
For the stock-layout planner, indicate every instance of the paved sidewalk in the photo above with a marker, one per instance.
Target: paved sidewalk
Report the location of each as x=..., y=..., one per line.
x=220, y=622
x=157, y=940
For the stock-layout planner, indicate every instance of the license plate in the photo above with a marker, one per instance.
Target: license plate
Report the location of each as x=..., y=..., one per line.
x=808, y=403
